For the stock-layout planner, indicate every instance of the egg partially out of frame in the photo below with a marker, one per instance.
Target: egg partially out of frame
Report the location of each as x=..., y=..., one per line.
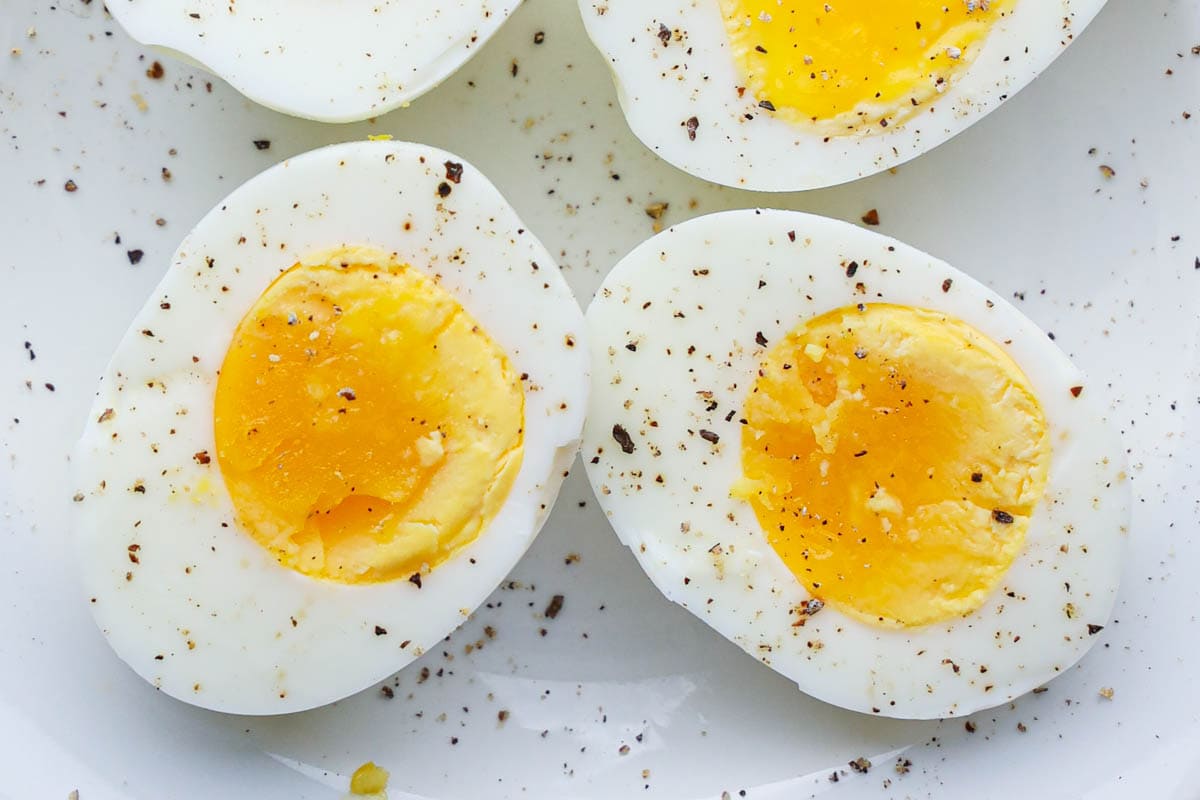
x=785, y=95
x=326, y=437
x=860, y=465
x=336, y=61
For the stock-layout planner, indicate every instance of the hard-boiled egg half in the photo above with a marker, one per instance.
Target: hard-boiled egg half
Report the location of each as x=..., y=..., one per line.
x=860, y=465
x=781, y=95
x=333, y=61
x=327, y=436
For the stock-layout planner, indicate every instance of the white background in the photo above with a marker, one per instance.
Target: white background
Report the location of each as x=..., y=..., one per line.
x=1019, y=201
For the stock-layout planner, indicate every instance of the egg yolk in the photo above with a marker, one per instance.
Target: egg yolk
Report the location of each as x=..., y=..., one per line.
x=893, y=457
x=367, y=427
x=854, y=62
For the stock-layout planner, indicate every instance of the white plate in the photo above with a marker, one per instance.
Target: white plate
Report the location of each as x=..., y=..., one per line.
x=1018, y=201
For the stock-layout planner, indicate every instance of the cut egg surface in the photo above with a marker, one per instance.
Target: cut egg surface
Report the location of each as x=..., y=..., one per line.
x=327, y=437
x=784, y=95
x=860, y=465
x=337, y=61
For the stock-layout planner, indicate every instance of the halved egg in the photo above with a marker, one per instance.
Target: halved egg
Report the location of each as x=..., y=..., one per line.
x=782, y=95
x=860, y=465
x=326, y=437
x=334, y=61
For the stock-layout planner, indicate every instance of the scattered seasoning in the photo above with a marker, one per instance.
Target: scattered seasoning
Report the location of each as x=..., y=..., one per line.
x=1108, y=172
x=860, y=765
x=155, y=71
x=692, y=124
x=203, y=457
x=946, y=284
x=976, y=477
x=556, y=604
x=664, y=34
x=1003, y=517
x=1021, y=727
x=903, y=765
x=539, y=37
x=871, y=217
x=415, y=579
x=262, y=144
x=622, y=437
x=970, y=726
x=380, y=630
x=1076, y=391
x=70, y=186
x=766, y=104
x=1094, y=629
x=710, y=436
x=135, y=256
x=656, y=209
x=443, y=189
x=851, y=269
x=346, y=393
x=624, y=750
x=1107, y=692
x=759, y=339
x=387, y=692
x=454, y=171
x=502, y=716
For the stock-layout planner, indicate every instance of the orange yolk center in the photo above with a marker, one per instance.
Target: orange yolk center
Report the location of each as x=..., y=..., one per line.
x=367, y=428
x=852, y=63
x=893, y=456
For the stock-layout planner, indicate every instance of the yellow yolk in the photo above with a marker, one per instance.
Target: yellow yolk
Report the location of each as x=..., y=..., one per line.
x=369, y=780
x=893, y=457
x=854, y=62
x=367, y=428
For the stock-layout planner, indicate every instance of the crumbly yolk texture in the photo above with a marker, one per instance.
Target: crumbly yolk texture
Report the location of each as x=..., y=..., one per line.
x=855, y=63
x=369, y=780
x=367, y=428
x=893, y=456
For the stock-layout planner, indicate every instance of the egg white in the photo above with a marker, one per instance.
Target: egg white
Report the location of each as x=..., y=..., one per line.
x=694, y=75
x=327, y=60
x=713, y=284
x=265, y=639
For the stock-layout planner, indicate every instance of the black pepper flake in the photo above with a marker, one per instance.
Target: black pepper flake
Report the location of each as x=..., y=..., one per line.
x=155, y=71
x=262, y=144
x=380, y=630
x=1003, y=517
x=29, y=349
x=692, y=124
x=415, y=578
x=454, y=171
x=539, y=37
x=203, y=457
x=664, y=34
x=946, y=284
x=443, y=189
x=767, y=104
x=71, y=186
x=759, y=339
x=622, y=437
x=710, y=436
x=1076, y=391
x=860, y=765
x=387, y=692
x=871, y=217
x=851, y=269
x=976, y=477
x=347, y=394
x=556, y=604
x=1094, y=629
x=134, y=256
